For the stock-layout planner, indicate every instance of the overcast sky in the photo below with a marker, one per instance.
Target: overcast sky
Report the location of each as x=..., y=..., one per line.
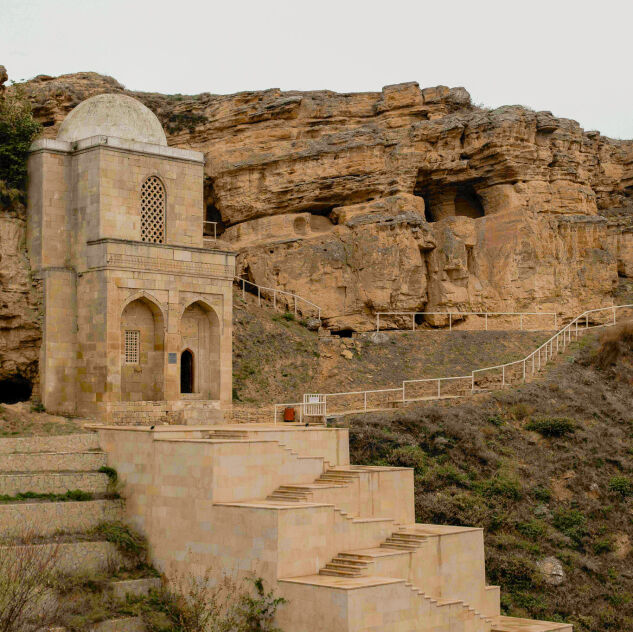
x=570, y=57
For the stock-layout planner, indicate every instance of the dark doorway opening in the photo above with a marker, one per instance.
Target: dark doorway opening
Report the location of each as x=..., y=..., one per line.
x=186, y=372
x=15, y=389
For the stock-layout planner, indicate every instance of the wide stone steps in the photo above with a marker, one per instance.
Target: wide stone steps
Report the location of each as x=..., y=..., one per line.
x=77, y=556
x=53, y=482
x=404, y=541
x=52, y=461
x=343, y=566
x=52, y=465
x=50, y=518
x=83, y=442
x=225, y=434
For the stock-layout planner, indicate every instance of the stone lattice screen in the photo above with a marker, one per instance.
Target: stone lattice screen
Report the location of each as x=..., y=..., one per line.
x=153, y=211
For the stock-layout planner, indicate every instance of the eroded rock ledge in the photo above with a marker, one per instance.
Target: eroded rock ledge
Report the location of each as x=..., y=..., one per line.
x=403, y=199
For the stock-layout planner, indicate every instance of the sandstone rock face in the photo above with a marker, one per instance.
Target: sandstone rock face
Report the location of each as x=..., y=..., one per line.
x=398, y=200
x=20, y=302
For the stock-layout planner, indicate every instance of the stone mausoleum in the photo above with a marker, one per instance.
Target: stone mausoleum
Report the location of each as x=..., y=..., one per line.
x=137, y=302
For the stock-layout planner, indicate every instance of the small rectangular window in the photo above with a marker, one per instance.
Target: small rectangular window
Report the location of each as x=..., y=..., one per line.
x=132, y=344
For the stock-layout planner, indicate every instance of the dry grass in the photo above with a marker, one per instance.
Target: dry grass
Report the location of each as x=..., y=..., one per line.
x=616, y=345
x=26, y=575
x=546, y=468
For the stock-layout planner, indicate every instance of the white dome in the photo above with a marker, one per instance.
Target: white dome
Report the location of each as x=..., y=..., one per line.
x=112, y=115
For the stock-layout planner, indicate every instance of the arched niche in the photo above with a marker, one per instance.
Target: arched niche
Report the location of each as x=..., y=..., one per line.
x=142, y=351
x=468, y=203
x=200, y=336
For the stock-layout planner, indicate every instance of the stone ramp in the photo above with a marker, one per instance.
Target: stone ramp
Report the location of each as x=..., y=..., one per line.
x=512, y=624
x=383, y=603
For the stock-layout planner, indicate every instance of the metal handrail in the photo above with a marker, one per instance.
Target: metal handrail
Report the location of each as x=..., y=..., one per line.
x=215, y=229
x=275, y=292
x=539, y=358
x=460, y=314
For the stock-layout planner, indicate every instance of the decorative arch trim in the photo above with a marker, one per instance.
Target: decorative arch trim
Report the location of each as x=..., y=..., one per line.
x=148, y=298
x=205, y=304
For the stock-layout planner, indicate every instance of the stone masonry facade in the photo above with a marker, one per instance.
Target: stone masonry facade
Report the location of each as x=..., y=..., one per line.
x=115, y=231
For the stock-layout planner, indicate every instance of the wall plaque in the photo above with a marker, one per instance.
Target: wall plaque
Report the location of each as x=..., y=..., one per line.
x=172, y=358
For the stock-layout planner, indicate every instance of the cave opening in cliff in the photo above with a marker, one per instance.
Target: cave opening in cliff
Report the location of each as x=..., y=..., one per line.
x=468, y=203
x=212, y=215
x=344, y=333
x=15, y=389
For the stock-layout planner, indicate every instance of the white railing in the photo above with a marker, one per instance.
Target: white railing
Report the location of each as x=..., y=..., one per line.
x=477, y=380
x=206, y=229
x=281, y=298
x=453, y=317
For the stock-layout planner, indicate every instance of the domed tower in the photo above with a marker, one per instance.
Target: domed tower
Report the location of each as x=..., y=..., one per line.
x=137, y=303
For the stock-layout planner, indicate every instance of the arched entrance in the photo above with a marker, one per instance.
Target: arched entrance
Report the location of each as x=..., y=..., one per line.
x=186, y=372
x=200, y=336
x=142, y=351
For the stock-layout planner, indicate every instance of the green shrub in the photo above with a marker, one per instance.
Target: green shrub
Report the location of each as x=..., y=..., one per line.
x=603, y=546
x=502, y=485
x=17, y=131
x=124, y=537
x=408, y=456
x=571, y=522
x=621, y=485
x=543, y=494
x=496, y=420
x=552, y=426
x=111, y=473
x=37, y=407
x=535, y=529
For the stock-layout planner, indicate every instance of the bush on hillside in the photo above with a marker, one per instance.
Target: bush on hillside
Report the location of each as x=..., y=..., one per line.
x=552, y=426
x=18, y=128
x=615, y=343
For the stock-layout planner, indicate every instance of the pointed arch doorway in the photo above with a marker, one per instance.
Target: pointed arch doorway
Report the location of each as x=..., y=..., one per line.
x=186, y=372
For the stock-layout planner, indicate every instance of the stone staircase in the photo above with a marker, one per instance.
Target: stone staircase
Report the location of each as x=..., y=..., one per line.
x=330, y=479
x=53, y=499
x=359, y=563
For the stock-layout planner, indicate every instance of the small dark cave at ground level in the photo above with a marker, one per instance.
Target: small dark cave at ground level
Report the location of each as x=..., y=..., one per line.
x=15, y=389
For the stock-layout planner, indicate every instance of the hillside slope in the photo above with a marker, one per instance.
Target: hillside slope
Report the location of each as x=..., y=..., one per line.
x=546, y=469
x=276, y=359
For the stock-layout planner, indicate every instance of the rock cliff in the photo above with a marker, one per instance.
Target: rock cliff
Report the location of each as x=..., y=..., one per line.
x=403, y=199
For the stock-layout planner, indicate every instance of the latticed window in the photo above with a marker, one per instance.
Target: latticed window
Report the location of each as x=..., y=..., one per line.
x=153, y=211
x=132, y=344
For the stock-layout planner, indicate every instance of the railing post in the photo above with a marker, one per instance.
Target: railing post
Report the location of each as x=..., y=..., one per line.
x=403, y=399
x=555, y=320
x=295, y=305
x=259, y=296
x=378, y=322
x=486, y=315
x=413, y=321
x=450, y=321
x=521, y=322
x=524, y=371
x=533, y=363
x=274, y=299
x=614, y=321
x=503, y=375
x=438, y=388
x=587, y=321
x=576, y=329
x=243, y=290
x=365, y=401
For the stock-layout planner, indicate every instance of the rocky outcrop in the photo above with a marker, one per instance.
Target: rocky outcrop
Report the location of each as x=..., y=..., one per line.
x=403, y=199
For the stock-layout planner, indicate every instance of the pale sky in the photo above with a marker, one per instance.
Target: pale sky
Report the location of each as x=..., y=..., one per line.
x=570, y=57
